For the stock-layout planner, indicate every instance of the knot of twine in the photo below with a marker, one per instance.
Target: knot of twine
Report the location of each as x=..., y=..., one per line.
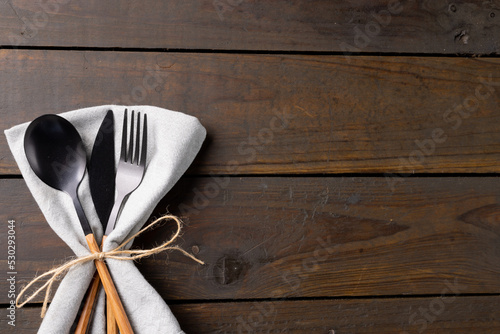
x=115, y=254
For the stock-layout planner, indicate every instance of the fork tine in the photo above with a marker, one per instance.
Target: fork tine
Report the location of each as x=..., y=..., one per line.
x=131, y=142
x=124, y=138
x=137, y=139
x=144, y=141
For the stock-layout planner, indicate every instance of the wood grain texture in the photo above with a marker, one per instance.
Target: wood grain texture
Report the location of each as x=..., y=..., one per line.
x=381, y=91
x=277, y=114
x=111, y=325
x=276, y=237
x=442, y=27
x=439, y=315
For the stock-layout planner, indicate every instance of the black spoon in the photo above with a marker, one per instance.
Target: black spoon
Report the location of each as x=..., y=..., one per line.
x=55, y=152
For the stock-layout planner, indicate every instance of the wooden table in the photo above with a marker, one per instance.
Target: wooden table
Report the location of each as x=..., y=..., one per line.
x=349, y=180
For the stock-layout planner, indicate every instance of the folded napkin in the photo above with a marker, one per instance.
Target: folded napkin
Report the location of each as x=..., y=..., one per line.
x=174, y=139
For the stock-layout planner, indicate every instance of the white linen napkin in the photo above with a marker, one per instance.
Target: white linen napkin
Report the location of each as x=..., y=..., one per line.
x=174, y=139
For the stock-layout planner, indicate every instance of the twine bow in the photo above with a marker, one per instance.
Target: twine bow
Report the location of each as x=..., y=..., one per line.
x=115, y=254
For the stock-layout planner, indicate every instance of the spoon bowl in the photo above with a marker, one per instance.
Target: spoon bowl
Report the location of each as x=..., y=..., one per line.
x=55, y=152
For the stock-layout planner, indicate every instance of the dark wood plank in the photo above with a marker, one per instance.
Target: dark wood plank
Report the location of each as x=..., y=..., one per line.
x=278, y=237
x=470, y=27
x=401, y=316
x=281, y=114
x=441, y=315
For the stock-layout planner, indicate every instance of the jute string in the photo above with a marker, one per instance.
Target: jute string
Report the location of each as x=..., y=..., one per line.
x=115, y=254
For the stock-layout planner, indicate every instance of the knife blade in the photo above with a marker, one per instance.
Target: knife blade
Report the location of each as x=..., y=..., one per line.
x=102, y=169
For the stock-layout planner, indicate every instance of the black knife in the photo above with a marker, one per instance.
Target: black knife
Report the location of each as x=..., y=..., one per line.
x=102, y=169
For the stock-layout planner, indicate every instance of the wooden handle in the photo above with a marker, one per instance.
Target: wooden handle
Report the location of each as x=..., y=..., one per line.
x=86, y=315
x=83, y=322
x=111, y=320
x=109, y=287
x=111, y=326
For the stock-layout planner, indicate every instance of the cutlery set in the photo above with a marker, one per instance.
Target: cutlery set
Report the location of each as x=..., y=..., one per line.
x=55, y=152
